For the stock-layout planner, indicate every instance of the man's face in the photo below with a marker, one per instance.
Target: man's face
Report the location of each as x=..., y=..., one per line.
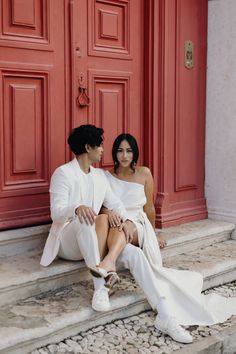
x=95, y=154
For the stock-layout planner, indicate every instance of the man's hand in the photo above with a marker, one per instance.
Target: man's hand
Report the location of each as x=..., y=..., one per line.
x=114, y=219
x=85, y=214
x=129, y=228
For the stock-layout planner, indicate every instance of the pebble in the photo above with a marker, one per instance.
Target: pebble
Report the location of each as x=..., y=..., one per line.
x=43, y=351
x=134, y=335
x=98, y=329
x=53, y=348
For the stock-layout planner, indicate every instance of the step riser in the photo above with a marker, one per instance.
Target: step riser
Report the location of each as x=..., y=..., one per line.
x=219, y=279
x=21, y=246
x=15, y=293
x=19, y=241
x=69, y=331
x=175, y=249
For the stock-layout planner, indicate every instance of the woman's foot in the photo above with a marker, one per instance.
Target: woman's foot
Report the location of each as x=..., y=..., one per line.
x=108, y=264
x=110, y=278
x=162, y=242
x=171, y=327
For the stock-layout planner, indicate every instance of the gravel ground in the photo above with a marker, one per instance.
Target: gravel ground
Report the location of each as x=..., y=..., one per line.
x=134, y=334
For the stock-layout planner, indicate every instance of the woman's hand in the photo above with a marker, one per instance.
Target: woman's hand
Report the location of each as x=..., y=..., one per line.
x=129, y=229
x=161, y=241
x=114, y=219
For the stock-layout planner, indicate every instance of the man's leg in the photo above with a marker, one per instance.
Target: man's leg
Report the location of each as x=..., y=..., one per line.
x=80, y=241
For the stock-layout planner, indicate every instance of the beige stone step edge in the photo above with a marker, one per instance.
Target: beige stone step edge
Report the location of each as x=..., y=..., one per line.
x=65, y=273
x=186, y=237
x=18, y=241
x=44, y=279
x=223, y=274
x=132, y=304
x=42, y=283
x=67, y=327
x=220, y=343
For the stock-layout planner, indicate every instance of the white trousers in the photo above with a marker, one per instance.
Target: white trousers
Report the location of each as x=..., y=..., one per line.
x=79, y=241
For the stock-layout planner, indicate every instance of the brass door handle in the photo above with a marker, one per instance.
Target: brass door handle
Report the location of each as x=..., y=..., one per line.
x=83, y=99
x=188, y=54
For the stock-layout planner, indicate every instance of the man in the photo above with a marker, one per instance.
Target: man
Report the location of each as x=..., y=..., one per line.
x=77, y=193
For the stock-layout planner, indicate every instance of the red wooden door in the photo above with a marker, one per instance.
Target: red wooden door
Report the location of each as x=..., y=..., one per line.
x=175, y=108
x=108, y=52
x=32, y=114
x=45, y=47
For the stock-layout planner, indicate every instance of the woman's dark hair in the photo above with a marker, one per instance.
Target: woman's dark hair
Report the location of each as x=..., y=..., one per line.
x=83, y=135
x=134, y=146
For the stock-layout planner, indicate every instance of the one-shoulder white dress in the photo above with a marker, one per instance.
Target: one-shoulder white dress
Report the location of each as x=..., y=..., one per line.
x=181, y=289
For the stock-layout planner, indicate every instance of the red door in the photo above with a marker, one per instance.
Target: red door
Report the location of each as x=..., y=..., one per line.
x=47, y=49
x=108, y=67
x=32, y=114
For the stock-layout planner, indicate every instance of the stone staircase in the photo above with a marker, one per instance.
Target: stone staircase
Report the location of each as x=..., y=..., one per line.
x=41, y=305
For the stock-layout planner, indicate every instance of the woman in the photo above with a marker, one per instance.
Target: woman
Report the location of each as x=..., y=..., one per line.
x=175, y=294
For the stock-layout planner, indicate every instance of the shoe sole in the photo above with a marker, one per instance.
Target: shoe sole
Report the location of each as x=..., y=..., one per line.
x=177, y=340
x=101, y=310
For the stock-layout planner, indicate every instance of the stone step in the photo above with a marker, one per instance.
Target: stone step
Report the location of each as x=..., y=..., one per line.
x=22, y=276
x=186, y=237
x=217, y=262
x=18, y=241
x=52, y=316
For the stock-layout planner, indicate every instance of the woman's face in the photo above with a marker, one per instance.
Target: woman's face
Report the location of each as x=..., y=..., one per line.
x=125, y=154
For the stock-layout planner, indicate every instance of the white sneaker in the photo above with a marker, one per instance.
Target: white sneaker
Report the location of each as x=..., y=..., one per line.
x=171, y=327
x=100, y=301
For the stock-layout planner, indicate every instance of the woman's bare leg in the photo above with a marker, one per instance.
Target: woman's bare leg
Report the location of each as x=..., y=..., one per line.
x=116, y=242
x=102, y=228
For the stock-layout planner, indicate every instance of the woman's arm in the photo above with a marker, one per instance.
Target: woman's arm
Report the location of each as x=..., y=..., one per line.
x=149, y=206
x=148, y=188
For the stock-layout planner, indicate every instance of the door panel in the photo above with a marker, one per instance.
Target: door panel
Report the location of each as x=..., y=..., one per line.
x=111, y=66
x=32, y=115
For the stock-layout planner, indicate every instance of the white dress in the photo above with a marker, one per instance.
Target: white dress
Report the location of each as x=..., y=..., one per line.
x=181, y=289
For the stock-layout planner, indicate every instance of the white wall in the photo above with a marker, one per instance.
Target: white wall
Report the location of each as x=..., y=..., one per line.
x=220, y=183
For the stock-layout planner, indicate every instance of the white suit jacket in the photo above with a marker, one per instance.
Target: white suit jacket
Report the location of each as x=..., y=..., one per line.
x=67, y=193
